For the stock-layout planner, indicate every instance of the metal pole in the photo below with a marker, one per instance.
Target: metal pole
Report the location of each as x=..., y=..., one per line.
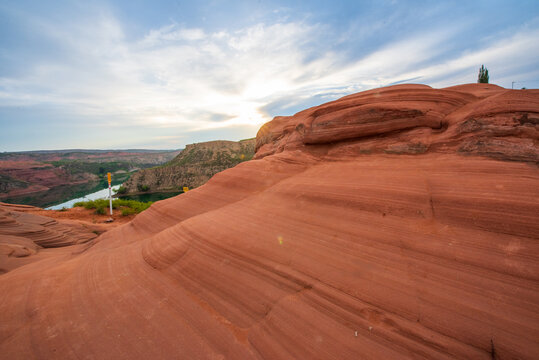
x=110, y=194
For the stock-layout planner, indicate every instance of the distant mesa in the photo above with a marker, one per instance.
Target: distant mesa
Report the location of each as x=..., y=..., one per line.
x=192, y=167
x=396, y=223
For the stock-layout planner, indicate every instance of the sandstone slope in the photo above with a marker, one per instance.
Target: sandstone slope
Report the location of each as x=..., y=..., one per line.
x=396, y=223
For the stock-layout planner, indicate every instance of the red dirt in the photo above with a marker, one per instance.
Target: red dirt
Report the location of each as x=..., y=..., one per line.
x=85, y=215
x=389, y=224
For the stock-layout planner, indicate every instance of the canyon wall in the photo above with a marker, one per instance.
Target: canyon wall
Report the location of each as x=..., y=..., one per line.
x=193, y=167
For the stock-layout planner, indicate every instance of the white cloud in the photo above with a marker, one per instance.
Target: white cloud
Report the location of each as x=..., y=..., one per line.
x=194, y=80
x=506, y=56
x=172, y=33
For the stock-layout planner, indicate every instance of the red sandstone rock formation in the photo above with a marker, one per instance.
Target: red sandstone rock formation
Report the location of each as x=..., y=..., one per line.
x=26, y=237
x=395, y=223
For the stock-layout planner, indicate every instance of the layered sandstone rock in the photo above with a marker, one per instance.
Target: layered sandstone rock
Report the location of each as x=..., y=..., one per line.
x=395, y=223
x=24, y=236
x=475, y=119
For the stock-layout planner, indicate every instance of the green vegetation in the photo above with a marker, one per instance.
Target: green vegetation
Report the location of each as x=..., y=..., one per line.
x=8, y=183
x=97, y=168
x=483, y=75
x=143, y=187
x=193, y=156
x=127, y=207
x=100, y=210
x=128, y=211
x=221, y=156
x=121, y=190
x=209, y=158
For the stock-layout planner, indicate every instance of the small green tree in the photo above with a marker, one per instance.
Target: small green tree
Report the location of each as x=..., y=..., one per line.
x=483, y=75
x=143, y=187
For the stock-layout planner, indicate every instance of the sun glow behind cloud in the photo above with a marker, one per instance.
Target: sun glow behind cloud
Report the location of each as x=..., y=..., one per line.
x=195, y=83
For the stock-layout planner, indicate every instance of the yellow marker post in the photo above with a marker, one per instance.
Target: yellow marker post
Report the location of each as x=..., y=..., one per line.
x=110, y=193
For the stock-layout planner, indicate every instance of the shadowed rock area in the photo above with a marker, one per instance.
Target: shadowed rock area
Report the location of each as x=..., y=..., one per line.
x=395, y=223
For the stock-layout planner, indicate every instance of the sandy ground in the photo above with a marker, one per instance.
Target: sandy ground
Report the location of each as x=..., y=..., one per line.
x=98, y=224
x=88, y=218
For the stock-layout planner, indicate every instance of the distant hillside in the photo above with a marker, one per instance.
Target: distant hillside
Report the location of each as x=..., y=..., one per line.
x=145, y=157
x=41, y=178
x=193, y=167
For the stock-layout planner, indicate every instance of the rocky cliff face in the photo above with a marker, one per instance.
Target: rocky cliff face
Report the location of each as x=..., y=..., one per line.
x=398, y=223
x=193, y=167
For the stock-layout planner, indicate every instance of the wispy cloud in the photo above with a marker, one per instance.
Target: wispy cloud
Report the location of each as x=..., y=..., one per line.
x=173, y=76
x=195, y=80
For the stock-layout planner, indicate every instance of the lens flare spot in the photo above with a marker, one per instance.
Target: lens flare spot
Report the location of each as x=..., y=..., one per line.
x=280, y=238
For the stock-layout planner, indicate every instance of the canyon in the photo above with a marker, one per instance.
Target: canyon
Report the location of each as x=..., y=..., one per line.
x=192, y=167
x=395, y=223
x=44, y=178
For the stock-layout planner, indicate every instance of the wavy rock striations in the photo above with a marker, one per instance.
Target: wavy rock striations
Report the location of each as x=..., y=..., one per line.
x=388, y=224
x=24, y=235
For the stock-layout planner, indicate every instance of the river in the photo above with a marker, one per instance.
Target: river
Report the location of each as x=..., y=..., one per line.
x=104, y=194
x=101, y=194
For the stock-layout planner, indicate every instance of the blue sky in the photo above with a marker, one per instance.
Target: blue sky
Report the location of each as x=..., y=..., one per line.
x=163, y=74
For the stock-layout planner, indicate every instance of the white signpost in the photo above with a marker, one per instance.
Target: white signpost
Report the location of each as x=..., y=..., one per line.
x=110, y=194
